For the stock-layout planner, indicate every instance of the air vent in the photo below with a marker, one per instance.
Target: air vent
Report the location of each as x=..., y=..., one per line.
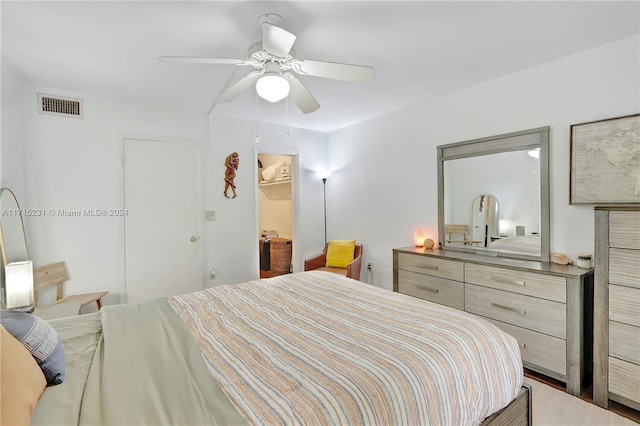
x=57, y=105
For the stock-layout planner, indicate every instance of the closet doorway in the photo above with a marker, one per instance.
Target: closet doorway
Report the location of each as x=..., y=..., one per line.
x=275, y=214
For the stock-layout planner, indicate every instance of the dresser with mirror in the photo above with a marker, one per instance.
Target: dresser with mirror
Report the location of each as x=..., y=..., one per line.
x=494, y=229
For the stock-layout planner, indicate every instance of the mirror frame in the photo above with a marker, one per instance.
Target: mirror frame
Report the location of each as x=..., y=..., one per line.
x=516, y=141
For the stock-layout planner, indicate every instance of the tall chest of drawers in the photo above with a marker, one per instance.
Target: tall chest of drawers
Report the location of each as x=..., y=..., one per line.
x=546, y=307
x=616, y=374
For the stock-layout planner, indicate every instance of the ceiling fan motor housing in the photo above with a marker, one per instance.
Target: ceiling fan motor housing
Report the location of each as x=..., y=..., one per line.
x=272, y=68
x=270, y=18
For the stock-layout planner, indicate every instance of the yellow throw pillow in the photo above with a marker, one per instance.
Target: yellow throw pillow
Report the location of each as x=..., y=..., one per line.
x=21, y=381
x=340, y=253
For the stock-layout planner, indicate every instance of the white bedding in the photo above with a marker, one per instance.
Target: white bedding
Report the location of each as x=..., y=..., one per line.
x=306, y=348
x=528, y=244
x=320, y=348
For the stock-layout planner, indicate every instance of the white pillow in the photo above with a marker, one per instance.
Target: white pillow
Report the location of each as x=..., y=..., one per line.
x=271, y=172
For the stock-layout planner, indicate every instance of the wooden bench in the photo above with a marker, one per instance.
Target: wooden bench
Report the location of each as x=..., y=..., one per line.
x=57, y=274
x=457, y=229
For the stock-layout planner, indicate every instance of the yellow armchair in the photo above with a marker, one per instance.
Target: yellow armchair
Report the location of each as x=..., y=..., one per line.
x=319, y=261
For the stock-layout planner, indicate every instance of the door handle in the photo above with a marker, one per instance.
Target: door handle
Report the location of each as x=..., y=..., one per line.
x=194, y=238
x=509, y=308
x=431, y=267
x=425, y=288
x=507, y=280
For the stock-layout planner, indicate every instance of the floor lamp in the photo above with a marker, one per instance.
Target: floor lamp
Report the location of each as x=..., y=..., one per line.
x=324, y=175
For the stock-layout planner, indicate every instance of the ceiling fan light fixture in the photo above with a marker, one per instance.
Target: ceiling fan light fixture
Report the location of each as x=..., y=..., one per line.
x=272, y=87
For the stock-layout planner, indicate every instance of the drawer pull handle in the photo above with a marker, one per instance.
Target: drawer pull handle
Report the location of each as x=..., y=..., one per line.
x=509, y=308
x=507, y=280
x=432, y=290
x=431, y=267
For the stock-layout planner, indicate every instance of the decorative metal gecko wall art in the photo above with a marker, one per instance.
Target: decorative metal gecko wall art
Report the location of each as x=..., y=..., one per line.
x=231, y=165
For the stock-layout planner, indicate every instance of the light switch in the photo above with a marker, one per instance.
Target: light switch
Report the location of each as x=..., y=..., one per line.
x=209, y=215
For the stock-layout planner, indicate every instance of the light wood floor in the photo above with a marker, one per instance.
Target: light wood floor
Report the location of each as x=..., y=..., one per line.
x=586, y=396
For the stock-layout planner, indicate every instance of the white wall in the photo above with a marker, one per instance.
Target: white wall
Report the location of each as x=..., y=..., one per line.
x=384, y=185
x=76, y=163
x=69, y=163
x=232, y=239
x=12, y=159
x=382, y=189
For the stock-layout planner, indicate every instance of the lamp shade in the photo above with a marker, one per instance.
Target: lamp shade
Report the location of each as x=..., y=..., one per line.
x=324, y=174
x=272, y=87
x=19, y=285
x=418, y=237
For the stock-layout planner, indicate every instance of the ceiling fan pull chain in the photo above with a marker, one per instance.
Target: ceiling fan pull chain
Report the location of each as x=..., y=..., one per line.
x=287, y=134
x=257, y=134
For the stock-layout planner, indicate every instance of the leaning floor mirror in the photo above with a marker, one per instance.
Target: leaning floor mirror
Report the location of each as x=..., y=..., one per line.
x=493, y=195
x=16, y=272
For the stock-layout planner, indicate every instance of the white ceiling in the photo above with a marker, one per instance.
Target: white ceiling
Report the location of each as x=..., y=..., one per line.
x=419, y=49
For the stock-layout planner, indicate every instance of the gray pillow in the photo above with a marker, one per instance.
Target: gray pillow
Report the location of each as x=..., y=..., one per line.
x=40, y=339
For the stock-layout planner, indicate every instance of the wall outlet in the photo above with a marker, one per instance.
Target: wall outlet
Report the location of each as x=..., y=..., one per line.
x=369, y=266
x=212, y=274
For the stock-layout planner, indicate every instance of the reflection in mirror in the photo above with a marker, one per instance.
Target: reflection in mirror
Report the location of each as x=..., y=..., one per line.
x=485, y=220
x=514, y=179
x=16, y=288
x=14, y=245
x=474, y=175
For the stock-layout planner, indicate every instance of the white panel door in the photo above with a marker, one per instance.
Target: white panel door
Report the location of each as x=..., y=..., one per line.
x=162, y=226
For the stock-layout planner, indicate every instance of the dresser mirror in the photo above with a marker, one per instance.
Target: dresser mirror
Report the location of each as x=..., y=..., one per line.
x=493, y=195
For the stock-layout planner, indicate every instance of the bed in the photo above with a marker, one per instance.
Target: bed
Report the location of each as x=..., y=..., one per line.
x=303, y=348
x=525, y=244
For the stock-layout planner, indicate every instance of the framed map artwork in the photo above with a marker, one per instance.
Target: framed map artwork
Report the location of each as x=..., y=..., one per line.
x=605, y=161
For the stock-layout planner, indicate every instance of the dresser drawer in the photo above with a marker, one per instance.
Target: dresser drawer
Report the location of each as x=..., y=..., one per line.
x=531, y=284
x=535, y=314
x=624, y=229
x=624, y=267
x=431, y=266
x=538, y=349
x=624, y=305
x=624, y=379
x=433, y=289
x=624, y=342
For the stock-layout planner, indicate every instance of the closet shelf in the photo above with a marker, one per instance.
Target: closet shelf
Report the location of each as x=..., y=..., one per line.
x=276, y=190
x=274, y=183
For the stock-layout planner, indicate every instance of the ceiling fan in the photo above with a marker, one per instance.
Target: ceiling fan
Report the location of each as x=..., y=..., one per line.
x=276, y=68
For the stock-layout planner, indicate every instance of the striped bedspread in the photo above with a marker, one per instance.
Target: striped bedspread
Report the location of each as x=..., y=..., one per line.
x=317, y=348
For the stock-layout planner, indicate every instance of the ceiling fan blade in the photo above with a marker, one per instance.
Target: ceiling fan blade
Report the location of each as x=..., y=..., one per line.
x=276, y=40
x=334, y=70
x=187, y=59
x=300, y=95
x=240, y=86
